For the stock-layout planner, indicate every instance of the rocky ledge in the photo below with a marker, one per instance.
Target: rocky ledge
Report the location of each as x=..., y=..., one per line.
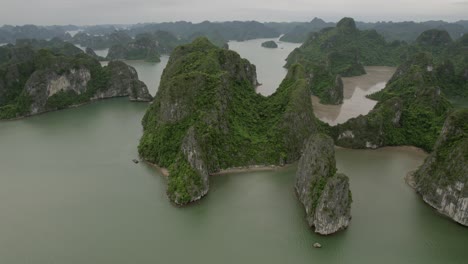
x=324, y=193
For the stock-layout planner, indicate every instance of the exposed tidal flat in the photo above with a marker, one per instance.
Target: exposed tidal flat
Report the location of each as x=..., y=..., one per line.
x=70, y=193
x=355, y=102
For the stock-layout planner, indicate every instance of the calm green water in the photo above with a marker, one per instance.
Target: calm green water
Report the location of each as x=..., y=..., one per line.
x=69, y=193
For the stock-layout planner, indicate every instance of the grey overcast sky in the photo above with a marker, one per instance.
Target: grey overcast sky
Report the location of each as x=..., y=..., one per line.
x=86, y=12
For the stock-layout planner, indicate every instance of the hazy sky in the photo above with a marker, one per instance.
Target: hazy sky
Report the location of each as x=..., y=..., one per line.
x=85, y=12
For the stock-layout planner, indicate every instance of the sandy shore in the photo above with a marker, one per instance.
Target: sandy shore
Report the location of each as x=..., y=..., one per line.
x=414, y=149
x=248, y=169
x=165, y=171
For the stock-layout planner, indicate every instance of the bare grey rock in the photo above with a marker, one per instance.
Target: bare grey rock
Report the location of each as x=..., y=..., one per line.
x=194, y=155
x=324, y=193
x=43, y=84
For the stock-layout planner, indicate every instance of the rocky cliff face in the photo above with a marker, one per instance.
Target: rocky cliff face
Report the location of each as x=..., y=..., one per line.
x=43, y=84
x=207, y=117
x=36, y=82
x=324, y=193
x=189, y=180
x=442, y=180
x=335, y=93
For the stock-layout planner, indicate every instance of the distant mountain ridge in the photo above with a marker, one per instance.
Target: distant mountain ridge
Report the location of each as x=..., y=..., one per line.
x=233, y=30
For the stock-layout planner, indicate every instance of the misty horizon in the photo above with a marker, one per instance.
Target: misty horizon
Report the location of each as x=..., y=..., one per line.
x=126, y=12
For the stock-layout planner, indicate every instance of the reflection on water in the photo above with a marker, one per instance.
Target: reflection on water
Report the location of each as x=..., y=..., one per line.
x=355, y=90
x=269, y=62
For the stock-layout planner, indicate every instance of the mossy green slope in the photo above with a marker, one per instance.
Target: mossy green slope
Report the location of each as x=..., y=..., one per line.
x=411, y=111
x=346, y=48
x=207, y=117
x=342, y=51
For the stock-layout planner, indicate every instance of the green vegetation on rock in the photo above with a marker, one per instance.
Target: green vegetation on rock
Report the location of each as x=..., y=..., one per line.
x=300, y=32
x=443, y=178
x=347, y=48
x=33, y=82
x=207, y=107
x=144, y=47
x=97, y=42
x=55, y=45
x=324, y=193
x=411, y=111
x=342, y=50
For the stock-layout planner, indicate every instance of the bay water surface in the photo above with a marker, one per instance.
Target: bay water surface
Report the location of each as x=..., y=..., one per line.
x=70, y=193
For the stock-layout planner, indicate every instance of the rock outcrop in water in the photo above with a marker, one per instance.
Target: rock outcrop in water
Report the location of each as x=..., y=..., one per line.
x=442, y=180
x=207, y=117
x=123, y=82
x=324, y=193
x=270, y=44
x=411, y=111
x=35, y=82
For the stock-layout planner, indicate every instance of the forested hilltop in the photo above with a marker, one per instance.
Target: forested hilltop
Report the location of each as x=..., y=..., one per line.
x=406, y=31
x=207, y=117
x=41, y=76
x=207, y=104
x=344, y=50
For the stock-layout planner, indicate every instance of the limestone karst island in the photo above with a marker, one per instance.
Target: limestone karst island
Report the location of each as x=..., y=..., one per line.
x=248, y=132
